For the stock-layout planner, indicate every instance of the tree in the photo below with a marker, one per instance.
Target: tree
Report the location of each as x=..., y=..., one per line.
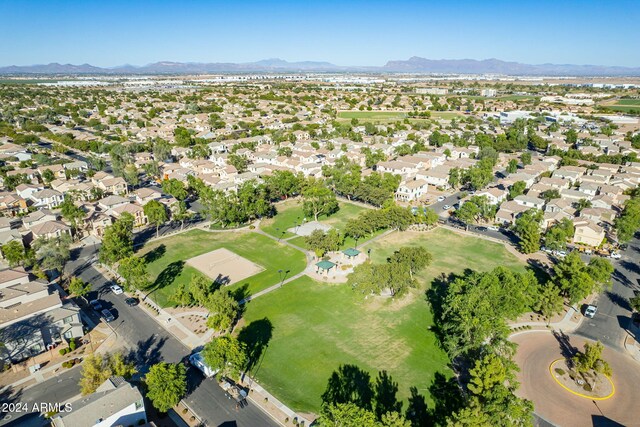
x=550, y=195
x=95, y=371
x=527, y=227
x=174, y=188
x=549, y=301
x=239, y=162
x=517, y=189
x=634, y=302
x=346, y=415
x=48, y=176
x=525, y=158
x=318, y=200
x=577, y=280
x=454, y=177
x=117, y=242
x=180, y=213
x=200, y=287
x=557, y=235
x=161, y=149
x=72, y=213
x=583, y=204
x=156, y=213
x=223, y=310
x=130, y=174
x=52, y=254
x=134, y=271
x=13, y=252
x=415, y=258
x=166, y=385
x=512, y=167
x=97, y=368
x=227, y=354
x=79, y=288
x=628, y=223
x=591, y=360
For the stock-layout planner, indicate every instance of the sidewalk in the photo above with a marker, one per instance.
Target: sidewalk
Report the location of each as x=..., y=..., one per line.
x=268, y=403
x=632, y=341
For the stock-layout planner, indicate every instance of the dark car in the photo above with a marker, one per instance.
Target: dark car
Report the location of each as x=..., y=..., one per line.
x=96, y=305
x=108, y=316
x=131, y=302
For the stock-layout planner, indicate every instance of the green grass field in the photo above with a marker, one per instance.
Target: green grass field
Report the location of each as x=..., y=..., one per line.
x=629, y=101
x=165, y=260
x=290, y=213
x=317, y=326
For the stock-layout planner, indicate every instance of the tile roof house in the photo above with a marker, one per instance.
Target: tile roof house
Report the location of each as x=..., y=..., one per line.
x=588, y=233
x=114, y=403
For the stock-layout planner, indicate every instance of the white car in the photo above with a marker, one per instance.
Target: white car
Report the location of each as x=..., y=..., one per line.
x=446, y=207
x=590, y=311
x=615, y=255
x=441, y=198
x=493, y=228
x=116, y=289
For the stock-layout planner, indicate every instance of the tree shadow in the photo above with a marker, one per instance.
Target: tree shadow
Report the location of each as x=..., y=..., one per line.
x=630, y=266
x=566, y=348
x=241, y=292
x=417, y=410
x=604, y=421
x=622, y=278
x=222, y=280
x=146, y=353
x=349, y=384
x=155, y=254
x=167, y=276
x=539, y=269
x=256, y=336
x=385, y=390
x=619, y=300
x=446, y=396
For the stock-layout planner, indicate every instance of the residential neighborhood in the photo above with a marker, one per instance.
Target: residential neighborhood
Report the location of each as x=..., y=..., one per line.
x=421, y=242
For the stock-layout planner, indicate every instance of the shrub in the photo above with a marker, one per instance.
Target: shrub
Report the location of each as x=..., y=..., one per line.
x=560, y=371
x=63, y=351
x=184, y=411
x=251, y=227
x=72, y=344
x=286, y=420
x=67, y=364
x=587, y=387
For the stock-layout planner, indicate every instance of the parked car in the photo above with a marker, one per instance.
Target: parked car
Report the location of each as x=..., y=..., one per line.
x=108, y=316
x=116, y=289
x=96, y=305
x=446, y=207
x=197, y=360
x=615, y=255
x=441, y=198
x=131, y=302
x=493, y=228
x=590, y=311
x=481, y=228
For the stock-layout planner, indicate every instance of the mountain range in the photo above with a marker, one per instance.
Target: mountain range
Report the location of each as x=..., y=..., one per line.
x=412, y=65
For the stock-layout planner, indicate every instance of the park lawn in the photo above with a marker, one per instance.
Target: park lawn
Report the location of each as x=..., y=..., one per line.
x=290, y=213
x=624, y=108
x=318, y=326
x=165, y=255
x=629, y=101
x=452, y=252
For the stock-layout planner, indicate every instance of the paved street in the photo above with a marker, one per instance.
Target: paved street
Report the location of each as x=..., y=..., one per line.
x=614, y=313
x=146, y=342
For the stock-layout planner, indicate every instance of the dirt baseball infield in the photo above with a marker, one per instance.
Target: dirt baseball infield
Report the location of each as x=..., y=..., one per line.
x=224, y=266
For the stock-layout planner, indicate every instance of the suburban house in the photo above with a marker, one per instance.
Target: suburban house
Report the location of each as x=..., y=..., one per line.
x=114, y=403
x=411, y=190
x=33, y=317
x=588, y=233
x=47, y=198
x=50, y=230
x=139, y=218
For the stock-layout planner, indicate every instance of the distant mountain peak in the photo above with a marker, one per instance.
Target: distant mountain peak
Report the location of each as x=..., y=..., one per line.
x=414, y=64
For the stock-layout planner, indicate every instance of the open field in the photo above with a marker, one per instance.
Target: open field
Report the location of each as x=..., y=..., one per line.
x=290, y=213
x=166, y=260
x=629, y=101
x=315, y=327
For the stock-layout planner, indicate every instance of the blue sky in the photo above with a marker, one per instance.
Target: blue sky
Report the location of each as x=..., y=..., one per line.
x=115, y=32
